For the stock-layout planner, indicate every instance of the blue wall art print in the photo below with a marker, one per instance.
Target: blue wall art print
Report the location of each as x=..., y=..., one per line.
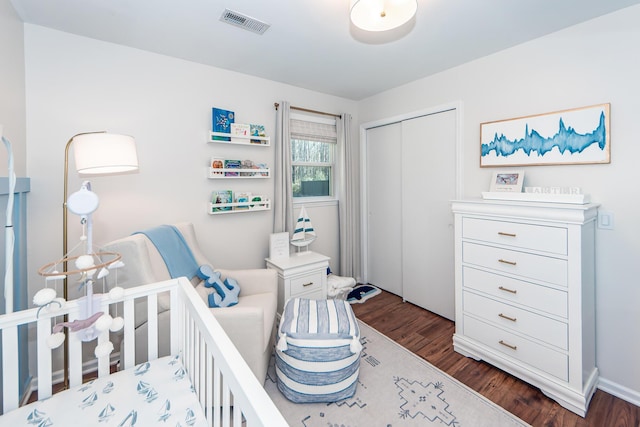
x=576, y=136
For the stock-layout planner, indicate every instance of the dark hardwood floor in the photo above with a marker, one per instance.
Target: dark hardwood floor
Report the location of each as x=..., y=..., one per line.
x=430, y=337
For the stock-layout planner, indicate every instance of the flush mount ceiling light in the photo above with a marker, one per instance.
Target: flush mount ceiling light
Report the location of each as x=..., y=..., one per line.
x=382, y=15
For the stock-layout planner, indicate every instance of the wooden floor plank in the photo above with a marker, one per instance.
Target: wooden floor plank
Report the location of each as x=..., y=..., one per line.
x=430, y=337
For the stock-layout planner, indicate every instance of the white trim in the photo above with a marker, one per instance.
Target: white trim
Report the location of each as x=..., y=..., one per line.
x=620, y=391
x=314, y=202
x=458, y=107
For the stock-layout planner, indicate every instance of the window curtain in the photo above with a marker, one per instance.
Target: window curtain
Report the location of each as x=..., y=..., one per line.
x=283, y=194
x=349, y=200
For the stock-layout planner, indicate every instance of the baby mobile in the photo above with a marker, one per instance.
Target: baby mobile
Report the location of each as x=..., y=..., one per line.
x=89, y=267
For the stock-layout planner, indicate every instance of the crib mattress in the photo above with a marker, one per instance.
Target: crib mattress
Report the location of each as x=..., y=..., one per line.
x=152, y=393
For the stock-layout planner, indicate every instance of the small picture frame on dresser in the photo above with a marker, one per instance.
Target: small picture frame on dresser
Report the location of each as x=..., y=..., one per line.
x=507, y=180
x=279, y=245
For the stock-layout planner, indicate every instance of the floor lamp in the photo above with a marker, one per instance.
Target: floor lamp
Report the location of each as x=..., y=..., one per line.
x=96, y=153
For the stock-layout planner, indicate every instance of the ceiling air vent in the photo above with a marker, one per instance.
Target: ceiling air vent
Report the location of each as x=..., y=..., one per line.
x=244, y=21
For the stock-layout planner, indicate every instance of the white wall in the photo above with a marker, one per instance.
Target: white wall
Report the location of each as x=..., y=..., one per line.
x=591, y=63
x=12, y=91
x=76, y=84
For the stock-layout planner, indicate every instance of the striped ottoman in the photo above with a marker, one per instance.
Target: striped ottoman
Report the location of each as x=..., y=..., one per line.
x=318, y=351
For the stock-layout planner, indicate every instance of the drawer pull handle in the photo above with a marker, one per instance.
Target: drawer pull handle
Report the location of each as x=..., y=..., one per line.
x=307, y=284
x=502, y=233
x=512, y=291
x=504, y=261
x=512, y=347
x=513, y=319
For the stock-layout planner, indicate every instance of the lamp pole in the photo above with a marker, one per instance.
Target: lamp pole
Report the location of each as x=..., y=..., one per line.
x=65, y=289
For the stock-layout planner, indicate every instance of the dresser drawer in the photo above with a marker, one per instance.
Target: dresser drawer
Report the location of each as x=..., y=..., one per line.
x=304, y=284
x=525, y=322
x=549, y=300
x=540, y=357
x=524, y=236
x=316, y=294
x=546, y=269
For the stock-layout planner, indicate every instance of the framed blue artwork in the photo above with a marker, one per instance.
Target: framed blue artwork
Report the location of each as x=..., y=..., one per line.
x=576, y=136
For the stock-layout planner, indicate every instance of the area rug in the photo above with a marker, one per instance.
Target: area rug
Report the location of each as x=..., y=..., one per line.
x=395, y=388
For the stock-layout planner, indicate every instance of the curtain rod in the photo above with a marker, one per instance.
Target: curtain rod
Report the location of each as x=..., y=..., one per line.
x=275, y=104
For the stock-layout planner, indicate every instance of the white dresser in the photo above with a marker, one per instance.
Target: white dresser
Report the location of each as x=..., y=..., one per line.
x=525, y=293
x=301, y=275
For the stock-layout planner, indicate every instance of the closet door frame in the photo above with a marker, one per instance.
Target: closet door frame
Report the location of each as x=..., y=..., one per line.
x=457, y=106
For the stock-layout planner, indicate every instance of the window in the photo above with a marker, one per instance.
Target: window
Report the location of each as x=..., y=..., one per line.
x=313, y=147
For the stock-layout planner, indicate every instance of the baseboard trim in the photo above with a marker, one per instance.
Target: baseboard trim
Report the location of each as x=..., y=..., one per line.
x=620, y=391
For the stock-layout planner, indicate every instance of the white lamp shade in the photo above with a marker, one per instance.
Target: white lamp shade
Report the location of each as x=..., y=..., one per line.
x=382, y=15
x=105, y=153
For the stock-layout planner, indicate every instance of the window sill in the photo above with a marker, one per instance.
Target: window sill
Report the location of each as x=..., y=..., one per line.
x=314, y=201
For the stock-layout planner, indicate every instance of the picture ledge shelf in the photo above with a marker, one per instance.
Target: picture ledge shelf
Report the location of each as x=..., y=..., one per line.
x=239, y=207
x=221, y=173
x=577, y=199
x=265, y=141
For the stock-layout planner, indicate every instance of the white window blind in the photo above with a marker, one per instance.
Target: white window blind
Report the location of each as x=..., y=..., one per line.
x=313, y=131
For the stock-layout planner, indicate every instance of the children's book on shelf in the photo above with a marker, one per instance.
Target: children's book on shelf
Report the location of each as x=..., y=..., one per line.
x=232, y=164
x=247, y=164
x=239, y=129
x=257, y=198
x=222, y=120
x=243, y=197
x=262, y=166
x=257, y=130
x=219, y=197
x=217, y=163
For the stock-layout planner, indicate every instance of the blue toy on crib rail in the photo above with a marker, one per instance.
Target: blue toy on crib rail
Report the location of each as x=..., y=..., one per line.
x=226, y=293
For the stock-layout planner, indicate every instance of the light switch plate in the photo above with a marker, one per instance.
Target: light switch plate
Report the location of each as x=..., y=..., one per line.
x=605, y=220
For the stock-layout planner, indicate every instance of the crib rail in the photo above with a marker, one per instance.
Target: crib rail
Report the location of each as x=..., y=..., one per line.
x=227, y=389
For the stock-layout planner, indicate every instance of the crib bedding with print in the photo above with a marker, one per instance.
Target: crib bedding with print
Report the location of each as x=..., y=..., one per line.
x=203, y=382
x=155, y=392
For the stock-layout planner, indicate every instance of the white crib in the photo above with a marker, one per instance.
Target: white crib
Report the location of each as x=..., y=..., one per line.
x=227, y=390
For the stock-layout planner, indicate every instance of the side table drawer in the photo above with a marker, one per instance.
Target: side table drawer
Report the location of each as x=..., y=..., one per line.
x=317, y=294
x=305, y=284
x=512, y=345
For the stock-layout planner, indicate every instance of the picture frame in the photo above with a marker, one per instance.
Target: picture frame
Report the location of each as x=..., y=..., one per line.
x=567, y=137
x=279, y=245
x=507, y=181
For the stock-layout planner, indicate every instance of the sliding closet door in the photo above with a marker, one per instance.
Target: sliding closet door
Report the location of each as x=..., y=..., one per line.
x=428, y=186
x=384, y=243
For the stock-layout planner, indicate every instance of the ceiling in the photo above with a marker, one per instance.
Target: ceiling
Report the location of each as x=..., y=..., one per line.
x=311, y=44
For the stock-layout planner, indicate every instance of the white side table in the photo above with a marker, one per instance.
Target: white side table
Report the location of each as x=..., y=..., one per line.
x=301, y=275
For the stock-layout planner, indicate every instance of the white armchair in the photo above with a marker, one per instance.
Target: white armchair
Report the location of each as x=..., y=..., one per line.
x=249, y=324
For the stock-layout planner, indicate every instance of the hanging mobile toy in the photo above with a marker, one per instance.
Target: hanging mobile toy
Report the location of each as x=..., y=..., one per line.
x=92, y=321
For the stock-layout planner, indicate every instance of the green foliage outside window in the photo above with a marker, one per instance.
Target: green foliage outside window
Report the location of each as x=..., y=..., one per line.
x=312, y=165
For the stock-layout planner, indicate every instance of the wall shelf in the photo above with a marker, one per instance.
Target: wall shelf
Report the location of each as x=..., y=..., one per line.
x=265, y=141
x=221, y=173
x=239, y=207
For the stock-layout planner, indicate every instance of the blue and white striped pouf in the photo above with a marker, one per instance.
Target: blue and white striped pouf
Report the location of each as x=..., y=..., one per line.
x=318, y=351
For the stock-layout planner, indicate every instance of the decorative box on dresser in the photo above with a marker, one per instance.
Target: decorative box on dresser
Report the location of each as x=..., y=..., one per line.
x=301, y=275
x=525, y=293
